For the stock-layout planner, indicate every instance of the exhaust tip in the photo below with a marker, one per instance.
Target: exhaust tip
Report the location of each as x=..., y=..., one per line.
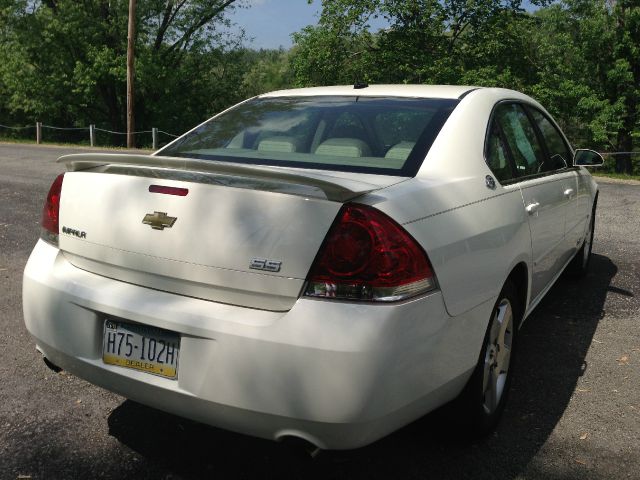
x=300, y=445
x=52, y=366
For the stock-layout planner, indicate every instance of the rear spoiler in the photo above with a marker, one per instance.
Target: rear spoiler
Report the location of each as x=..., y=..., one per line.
x=335, y=188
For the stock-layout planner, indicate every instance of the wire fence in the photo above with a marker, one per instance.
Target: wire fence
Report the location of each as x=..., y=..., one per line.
x=614, y=163
x=156, y=138
x=91, y=135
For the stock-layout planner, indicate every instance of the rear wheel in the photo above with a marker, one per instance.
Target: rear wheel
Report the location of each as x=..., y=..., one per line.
x=485, y=395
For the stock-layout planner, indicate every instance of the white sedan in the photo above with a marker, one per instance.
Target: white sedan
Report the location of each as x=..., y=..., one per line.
x=325, y=264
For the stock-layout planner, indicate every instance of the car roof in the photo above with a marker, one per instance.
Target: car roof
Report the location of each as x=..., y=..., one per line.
x=413, y=91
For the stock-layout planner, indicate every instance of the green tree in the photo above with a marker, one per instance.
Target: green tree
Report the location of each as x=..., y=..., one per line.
x=587, y=57
x=427, y=41
x=266, y=70
x=65, y=61
x=580, y=58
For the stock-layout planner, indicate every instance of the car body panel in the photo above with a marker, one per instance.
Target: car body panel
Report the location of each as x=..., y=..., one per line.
x=208, y=251
x=575, y=219
x=548, y=224
x=410, y=91
x=466, y=242
x=585, y=199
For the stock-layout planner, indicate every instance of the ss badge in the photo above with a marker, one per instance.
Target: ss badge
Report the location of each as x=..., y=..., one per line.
x=265, y=265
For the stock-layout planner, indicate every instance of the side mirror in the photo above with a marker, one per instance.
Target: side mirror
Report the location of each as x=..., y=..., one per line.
x=587, y=158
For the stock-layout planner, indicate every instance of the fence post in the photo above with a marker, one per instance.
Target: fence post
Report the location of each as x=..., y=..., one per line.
x=38, y=133
x=92, y=135
x=154, y=138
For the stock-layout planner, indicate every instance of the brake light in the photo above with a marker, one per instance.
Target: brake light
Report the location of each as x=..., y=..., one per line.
x=180, y=192
x=51, y=212
x=368, y=256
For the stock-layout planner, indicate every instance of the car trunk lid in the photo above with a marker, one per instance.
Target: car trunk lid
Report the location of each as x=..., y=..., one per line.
x=242, y=235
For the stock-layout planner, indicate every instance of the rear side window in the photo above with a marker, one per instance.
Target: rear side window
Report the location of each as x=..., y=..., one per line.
x=521, y=138
x=497, y=155
x=387, y=136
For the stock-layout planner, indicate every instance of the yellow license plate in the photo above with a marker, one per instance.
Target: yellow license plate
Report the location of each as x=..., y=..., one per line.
x=141, y=347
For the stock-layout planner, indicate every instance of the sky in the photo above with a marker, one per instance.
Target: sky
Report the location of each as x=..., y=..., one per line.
x=271, y=22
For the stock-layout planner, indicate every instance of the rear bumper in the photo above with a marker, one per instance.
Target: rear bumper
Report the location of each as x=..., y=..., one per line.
x=338, y=374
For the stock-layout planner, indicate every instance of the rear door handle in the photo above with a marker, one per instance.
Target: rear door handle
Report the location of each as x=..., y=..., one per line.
x=568, y=192
x=532, y=208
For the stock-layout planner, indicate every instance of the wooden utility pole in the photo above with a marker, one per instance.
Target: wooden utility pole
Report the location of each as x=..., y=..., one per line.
x=131, y=40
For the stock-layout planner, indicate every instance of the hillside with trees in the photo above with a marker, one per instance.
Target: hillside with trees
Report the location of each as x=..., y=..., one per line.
x=64, y=61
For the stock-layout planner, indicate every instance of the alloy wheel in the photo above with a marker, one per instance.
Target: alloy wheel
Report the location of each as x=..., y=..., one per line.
x=498, y=356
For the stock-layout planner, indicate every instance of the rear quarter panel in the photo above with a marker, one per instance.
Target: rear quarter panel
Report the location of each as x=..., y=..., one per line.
x=473, y=246
x=474, y=235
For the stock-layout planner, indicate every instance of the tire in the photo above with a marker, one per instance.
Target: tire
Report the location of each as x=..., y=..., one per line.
x=484, y=397
x=579, y=266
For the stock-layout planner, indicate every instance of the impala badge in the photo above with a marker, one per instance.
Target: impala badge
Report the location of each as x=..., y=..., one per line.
x=159, y=220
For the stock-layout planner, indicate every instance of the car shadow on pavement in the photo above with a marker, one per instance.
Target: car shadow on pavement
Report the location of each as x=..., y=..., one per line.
x=553, y=345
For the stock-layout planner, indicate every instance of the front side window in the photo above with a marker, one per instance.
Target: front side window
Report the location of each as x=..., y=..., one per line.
x=559, y=155
x=389, y=136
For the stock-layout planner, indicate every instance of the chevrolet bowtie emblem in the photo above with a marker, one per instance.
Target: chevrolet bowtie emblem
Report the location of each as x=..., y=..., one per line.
x=159, y=220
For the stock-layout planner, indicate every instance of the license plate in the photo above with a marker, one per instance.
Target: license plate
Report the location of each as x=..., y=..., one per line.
x=140, y=347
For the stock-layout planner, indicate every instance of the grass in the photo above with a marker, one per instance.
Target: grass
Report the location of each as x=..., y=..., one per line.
x=594, y=172
x=64, y=144
x=621, y=176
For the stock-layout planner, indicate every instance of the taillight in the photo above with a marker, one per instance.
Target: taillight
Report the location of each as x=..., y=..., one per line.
x=368, y=256
x=51, y=212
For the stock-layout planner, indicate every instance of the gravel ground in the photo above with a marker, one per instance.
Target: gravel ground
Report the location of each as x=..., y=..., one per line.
x=574, y=411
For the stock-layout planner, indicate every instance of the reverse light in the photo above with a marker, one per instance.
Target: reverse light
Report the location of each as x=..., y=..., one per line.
x=368, y=256
x=51, y=212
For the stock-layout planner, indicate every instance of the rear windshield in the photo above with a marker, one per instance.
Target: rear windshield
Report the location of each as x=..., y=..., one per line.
x=387, y=136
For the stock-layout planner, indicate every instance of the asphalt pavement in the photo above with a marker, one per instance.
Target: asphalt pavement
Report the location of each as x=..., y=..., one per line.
x=573, y=413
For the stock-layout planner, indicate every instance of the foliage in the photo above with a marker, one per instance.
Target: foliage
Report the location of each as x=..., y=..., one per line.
x=265, y=71
x=427, y=41
x=580, y=58
x=588, y=57
x=64, y=61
